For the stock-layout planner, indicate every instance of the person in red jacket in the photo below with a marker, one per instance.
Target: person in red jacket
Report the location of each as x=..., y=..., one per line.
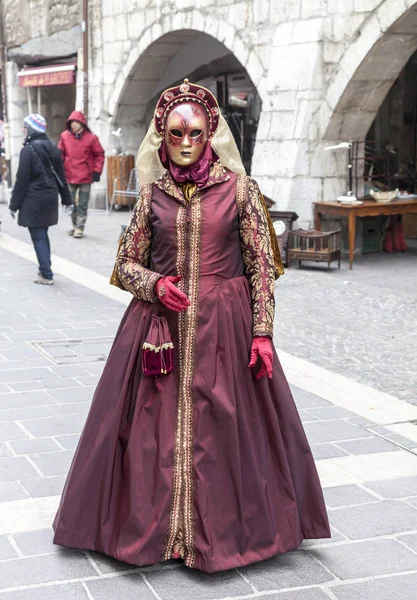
x=83, y=157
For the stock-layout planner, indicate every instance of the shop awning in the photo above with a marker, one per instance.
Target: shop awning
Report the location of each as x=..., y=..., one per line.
x=47, y=75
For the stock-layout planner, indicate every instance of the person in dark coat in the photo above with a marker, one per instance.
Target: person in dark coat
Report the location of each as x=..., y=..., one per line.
x=83, y=162
x=39, y=180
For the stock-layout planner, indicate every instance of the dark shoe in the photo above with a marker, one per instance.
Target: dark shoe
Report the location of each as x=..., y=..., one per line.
x=43, y=281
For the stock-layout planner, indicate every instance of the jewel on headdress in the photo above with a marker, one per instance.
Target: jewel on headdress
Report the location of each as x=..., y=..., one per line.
x=215, y=111
x=168, y=96
x=184, y=87
x=159, y=112
x=201, y=94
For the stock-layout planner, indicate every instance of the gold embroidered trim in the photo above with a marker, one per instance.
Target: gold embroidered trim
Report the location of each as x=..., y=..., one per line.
x=144, y=198
x=179, y=549
x=114, y=278
x=190, y=348
x=166, y=183
x=257, y=254
x=241, y=195
x=131, y=271
x=148, y=346
x=279, y=267
x=174, y=521
x=181, y=527
x=188, y=189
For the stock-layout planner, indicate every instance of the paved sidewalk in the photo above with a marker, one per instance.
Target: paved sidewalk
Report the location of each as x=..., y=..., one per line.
x=97, y=250
x=360, y=323
x=53, y=343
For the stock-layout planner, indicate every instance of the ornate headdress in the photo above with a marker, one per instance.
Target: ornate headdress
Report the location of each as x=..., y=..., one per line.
x=148, y=160
x=186, y=92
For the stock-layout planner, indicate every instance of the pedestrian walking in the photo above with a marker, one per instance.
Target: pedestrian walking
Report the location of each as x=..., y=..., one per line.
x=83, y=162
x=39, y=179
x=193, y=448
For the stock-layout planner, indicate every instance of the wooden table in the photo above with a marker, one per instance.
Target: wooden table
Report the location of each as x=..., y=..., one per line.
x=369, y=208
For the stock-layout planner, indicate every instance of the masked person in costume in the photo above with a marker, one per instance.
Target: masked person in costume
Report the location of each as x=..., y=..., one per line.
x=193, y=447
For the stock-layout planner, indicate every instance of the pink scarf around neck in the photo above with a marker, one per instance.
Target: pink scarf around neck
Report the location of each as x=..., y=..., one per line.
x=199, y=172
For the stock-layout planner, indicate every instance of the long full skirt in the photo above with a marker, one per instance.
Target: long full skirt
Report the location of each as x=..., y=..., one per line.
x=255, y=488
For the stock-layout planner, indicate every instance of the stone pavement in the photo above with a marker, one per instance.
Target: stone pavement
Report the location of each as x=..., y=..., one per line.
x=53, y=343
x=360, y=323
x=96, y=251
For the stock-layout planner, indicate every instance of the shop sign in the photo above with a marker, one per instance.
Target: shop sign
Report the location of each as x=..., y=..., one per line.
x=47, y=76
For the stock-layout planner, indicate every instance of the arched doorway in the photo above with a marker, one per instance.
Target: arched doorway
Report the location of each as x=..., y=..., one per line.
x=369, y=69
x=364, y=77
x=201, y=58
x=392, y=135
x=374, y=100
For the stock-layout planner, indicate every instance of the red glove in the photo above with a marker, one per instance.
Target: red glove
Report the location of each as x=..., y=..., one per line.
x=262, y=348
x=170, y=295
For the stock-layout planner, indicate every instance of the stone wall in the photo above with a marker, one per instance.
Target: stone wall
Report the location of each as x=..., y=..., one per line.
x=292, y=51
x=39, y=30
x=28, y=19
x=320, y=67
x=17, y=110
x=62, y=14
x=16, y=22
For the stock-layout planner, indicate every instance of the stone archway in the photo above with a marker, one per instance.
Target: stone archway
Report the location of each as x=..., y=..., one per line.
x=130, y=102
x=167, y=60
x=369, y=68
x=193, y=21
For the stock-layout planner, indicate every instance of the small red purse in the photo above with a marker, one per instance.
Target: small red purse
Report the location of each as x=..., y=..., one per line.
x=157, y=356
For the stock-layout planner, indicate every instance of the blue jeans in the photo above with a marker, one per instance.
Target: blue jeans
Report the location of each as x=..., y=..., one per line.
x=42, y=247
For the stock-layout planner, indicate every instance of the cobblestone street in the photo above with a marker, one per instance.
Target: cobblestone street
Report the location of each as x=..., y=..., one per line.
x=166, y=105
x=360, y=323
x=53, y=343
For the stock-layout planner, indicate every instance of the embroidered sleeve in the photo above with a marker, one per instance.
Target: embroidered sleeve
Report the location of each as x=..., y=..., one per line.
x=259, y=261
x=132, y=261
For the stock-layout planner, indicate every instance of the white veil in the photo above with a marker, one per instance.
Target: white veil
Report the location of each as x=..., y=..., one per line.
x=149, y=164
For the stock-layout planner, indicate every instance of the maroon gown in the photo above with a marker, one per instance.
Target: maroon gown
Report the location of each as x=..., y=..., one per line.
x=216, y=464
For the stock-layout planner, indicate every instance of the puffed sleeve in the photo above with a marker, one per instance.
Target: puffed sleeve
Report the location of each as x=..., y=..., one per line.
x=258, y=259
x=132, y=271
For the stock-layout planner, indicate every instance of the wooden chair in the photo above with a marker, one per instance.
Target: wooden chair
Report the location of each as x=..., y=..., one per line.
x=318, y=246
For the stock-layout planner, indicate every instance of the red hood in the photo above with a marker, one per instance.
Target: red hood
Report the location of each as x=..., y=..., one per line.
x=77, y=115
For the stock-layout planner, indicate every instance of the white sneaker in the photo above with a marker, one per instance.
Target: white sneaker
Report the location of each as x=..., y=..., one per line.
x=43, y=281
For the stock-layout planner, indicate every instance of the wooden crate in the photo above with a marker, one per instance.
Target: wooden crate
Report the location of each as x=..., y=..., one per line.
x=312, y=245
x=119, y=166
x=410, y=226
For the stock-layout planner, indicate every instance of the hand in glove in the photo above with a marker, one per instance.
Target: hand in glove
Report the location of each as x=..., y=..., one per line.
x=13, y=214
x=262, y=348
x=170, y=295
x=96, y=177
